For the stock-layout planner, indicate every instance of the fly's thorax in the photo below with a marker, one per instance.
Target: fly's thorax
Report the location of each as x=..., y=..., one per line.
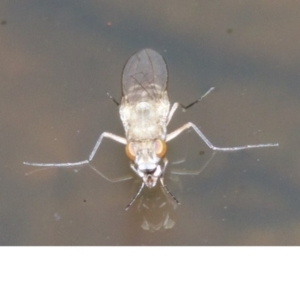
x=146, y=156
x=145, y=118
x=159, y=101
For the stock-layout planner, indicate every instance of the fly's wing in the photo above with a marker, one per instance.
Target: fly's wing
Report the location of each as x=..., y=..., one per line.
x=145, y=75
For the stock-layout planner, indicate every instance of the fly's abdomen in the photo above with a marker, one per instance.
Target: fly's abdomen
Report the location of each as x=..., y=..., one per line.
x=143, y=121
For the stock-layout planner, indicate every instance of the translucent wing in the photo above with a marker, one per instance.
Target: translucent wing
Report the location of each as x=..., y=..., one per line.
x=145, y=74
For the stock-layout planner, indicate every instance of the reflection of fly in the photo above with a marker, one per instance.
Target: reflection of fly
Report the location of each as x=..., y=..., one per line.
x=145, y=113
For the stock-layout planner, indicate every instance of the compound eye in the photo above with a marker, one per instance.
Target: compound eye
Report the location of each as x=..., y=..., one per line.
x=129, y=150
x=160, y=148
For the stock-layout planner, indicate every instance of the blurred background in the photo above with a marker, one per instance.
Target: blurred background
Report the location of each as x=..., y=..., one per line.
x=58, y=61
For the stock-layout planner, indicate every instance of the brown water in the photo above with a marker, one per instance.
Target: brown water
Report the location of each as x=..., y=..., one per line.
x=58, y=60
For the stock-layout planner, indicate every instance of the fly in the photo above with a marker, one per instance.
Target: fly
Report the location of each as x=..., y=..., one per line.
x=145, y=113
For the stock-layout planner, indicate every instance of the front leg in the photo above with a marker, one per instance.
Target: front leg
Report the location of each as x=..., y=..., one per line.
x=109, y=135
x=188, y=125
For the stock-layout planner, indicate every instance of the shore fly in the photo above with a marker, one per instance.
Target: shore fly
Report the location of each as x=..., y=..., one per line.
x=145, y=112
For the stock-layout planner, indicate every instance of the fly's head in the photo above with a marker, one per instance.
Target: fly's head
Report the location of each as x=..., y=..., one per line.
x=146, y=157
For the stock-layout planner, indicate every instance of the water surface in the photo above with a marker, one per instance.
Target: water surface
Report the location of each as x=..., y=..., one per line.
x=58, y=60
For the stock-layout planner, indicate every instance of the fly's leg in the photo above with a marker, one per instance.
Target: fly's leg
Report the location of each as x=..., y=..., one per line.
x=113, y=99
x=83, y=162
x=136, y=195
x=167, y=191
x=198, y=100
x=188, y=125
x=171, y=112
x=49, y=165
x=176, y=104
x=109, y=135
x=165, y=188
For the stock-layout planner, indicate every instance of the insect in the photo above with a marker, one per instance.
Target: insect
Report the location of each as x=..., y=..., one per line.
x=145, y=113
